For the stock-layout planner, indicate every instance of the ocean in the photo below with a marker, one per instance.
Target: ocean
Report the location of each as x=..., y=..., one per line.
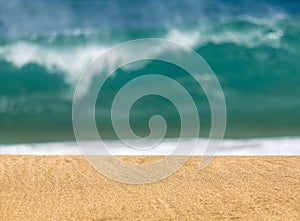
x=252, y=47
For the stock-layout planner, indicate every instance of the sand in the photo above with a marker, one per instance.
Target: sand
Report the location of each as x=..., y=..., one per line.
x=68, y=188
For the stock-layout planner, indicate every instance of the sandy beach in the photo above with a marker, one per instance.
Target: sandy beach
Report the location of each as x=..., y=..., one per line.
x=68, y=188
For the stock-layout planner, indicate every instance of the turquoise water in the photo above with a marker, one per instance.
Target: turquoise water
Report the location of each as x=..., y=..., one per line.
x=255, y=56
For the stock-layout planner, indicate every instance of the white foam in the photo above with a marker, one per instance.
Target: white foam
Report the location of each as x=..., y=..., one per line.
x=204, y=34
x=235, y=147
x=71, y=60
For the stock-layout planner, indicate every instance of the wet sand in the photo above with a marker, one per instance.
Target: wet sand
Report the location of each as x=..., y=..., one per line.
x=68, y=188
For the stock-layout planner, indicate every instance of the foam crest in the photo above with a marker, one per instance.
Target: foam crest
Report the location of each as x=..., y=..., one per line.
x=71, y=60
x=261, y=33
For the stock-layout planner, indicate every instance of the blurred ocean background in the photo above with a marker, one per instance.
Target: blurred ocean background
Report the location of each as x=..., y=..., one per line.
x=252, y=46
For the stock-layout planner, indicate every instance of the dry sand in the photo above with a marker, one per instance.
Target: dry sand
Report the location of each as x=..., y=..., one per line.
x=68, y=188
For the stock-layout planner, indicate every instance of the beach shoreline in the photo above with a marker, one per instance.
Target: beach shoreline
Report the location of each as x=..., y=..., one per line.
x=266, y=146
x=231, y=187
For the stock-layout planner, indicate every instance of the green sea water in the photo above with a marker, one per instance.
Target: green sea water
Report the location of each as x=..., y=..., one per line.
x=256, y=60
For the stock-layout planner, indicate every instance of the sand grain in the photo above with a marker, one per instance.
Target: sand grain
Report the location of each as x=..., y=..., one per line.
x=68, y=188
